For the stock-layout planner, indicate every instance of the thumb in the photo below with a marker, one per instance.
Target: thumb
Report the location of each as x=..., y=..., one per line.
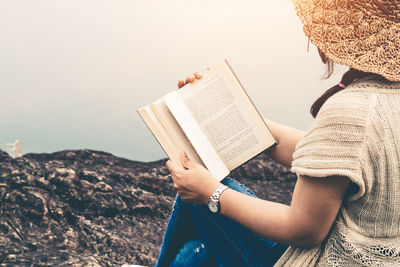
x=186, y=162
x=172, y=167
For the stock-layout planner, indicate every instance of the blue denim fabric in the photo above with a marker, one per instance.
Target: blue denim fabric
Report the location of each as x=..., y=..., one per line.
x=197, y=237
x=195, y=254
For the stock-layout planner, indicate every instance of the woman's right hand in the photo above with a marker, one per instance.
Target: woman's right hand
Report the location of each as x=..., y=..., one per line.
x=190, y=79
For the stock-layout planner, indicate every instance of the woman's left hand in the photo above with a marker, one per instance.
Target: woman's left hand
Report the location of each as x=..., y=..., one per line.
x=194, y=183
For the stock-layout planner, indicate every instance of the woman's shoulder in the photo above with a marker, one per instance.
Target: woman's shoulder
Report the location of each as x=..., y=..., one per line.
x=361, y=98
x=373, y=85
x=349, y=102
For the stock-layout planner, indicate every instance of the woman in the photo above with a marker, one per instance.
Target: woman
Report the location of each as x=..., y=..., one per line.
x=345, y=209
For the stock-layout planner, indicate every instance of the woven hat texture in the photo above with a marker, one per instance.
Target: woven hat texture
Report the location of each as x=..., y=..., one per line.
x=361, y=34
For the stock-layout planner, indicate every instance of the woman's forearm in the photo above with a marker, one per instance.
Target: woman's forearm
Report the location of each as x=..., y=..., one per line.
x=266, y=218
x=305, y=223
x=288, y=138
x=269, y=219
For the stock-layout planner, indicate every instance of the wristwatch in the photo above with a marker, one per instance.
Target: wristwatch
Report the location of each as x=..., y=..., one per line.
x=213, y=202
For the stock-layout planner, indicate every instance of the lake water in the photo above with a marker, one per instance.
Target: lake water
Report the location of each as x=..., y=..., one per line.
x=73, y=73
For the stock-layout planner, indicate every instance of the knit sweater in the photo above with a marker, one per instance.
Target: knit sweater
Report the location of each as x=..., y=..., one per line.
x=356, y=134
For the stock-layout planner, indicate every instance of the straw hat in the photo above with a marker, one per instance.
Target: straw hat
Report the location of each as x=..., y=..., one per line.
x=361, y=34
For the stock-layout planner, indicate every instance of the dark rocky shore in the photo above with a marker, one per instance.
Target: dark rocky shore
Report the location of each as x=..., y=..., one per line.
x=90, y=208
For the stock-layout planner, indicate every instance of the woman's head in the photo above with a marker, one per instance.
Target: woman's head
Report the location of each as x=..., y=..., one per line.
x=363, y=35
x=348, y=77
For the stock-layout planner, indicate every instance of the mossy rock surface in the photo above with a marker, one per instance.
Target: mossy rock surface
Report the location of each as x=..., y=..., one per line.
x=91, y=208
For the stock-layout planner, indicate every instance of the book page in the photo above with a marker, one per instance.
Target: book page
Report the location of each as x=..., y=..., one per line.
x=227, y=116
x=192, y=130
x=159, y=132
x=174, y=131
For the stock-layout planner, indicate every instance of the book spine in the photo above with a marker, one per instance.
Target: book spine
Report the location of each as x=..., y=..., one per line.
x=192, y=130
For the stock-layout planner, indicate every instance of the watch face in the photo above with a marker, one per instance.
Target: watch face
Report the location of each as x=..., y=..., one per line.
x=213, y=206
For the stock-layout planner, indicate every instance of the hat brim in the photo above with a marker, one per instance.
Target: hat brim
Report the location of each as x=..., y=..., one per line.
x=359, y=35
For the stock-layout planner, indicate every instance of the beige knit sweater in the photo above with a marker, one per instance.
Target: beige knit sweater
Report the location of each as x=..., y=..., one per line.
x=356, y=134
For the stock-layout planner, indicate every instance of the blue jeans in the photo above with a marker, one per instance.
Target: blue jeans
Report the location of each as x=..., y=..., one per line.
x=197, y=237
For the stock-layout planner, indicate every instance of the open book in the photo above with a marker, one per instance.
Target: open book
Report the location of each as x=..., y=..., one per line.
x=213, y=120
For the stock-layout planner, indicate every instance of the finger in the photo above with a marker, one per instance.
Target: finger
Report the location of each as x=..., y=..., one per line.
x=186, y=162
x=198, y=75
x=169, y=166
x=176, y=186
x=181, y=83
x=188, y=197
x=190, y=79
x=173, y=167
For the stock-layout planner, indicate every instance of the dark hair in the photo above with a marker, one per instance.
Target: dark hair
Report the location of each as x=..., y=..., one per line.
x=348, y=77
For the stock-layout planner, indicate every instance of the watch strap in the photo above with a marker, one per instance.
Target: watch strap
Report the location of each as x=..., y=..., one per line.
x=217, y=194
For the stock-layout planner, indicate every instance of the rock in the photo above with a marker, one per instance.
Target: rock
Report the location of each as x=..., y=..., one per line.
x=101, y=186
x=90, y=208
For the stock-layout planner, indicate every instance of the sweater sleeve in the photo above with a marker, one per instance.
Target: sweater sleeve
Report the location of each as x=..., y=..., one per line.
x=334, y=145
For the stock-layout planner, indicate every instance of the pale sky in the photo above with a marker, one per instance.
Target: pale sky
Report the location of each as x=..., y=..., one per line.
x=74, y=72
